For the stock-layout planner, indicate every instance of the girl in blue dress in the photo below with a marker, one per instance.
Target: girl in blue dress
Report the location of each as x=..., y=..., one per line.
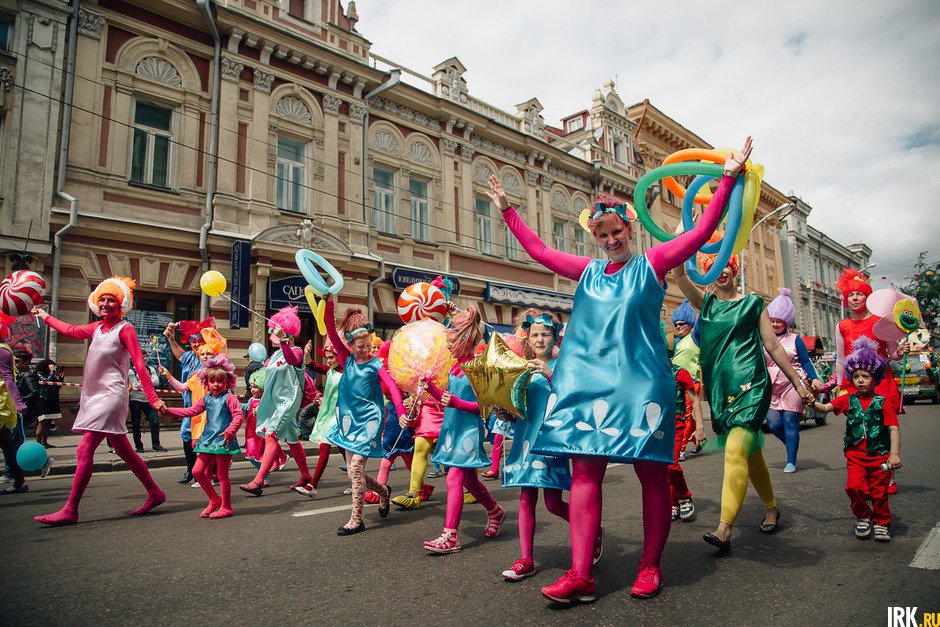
x=359, y=423
x=460, y=446
x=613, y=393
x=525, y=469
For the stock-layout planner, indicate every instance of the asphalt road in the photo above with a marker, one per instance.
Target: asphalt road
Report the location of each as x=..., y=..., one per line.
x=267, y=565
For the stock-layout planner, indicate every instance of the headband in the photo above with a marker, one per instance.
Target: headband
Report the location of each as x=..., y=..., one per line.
x=543, y=319
x=624, y=210
x=352, y=334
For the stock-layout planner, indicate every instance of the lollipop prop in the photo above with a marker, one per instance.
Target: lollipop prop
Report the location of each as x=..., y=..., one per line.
x=154, y=346
x=900, y=316
x=213, y=283
x=421, y=301
x=418, y=352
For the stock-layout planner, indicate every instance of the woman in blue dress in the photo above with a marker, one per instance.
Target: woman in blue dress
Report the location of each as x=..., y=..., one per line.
x=460, y=446
x=613, y=394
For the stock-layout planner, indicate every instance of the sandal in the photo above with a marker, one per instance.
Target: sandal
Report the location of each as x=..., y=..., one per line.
x=15, y=490
x=495, y=522
x=447, y=542
x=251, y=488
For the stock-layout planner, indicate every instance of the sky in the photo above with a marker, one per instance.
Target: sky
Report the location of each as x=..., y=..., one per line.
x=841, y=97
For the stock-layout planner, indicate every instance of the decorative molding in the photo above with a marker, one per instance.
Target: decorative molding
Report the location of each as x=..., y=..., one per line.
x=159, y=70
x=319, y=142
x=511, y=184
x=90, y=23
x=466, y=152
x=531, y=177
x=6, y=79
x=357, y=113
x=293, y=109
x=449, y=147
x=547, y=182
x=386, y=142
x=231, y=69
x=304, y=235
x=331, y=104
x=580, y=204
x=407, y=113
x=262, y=80
x=559, y=201
x=419, y=153
x=482, y=173
x=568, y=176
x=43, y=33
x=497, y=148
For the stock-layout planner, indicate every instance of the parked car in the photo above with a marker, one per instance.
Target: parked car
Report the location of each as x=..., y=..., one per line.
x=920, y=380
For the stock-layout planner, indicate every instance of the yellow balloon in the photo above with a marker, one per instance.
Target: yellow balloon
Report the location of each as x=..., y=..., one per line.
x=212, y=283
x=317, y=308
x=752, y=181
x=499, y=378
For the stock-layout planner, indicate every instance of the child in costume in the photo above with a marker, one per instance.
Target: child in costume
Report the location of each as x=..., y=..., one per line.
x=614, y=341
x=359, y=405
x=397, y=441
x=736, y=331
x=11, y=408
x=217, y=443
x=523, y=468
x=872, y=440
x=786, y=407
x=284, y=381
x=686, y=356
x=254, y=444
x=332, y=372
x=102, y=410
x=461, y=441
x=688, y=411
x=427, y=429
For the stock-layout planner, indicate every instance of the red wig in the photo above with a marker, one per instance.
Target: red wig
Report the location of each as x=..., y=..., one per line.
x=852, y=281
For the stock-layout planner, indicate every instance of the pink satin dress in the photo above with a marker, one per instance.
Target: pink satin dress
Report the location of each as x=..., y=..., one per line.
x=103, y=406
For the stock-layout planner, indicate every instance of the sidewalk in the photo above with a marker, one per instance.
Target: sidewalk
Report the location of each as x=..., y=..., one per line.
x=64, y=453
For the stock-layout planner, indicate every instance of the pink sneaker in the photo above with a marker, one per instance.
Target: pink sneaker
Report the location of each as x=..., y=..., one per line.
x=570, y=589
x=599, y=545
x=519, y=571
x=495, y=522
x=447, y=542
x=648, y=583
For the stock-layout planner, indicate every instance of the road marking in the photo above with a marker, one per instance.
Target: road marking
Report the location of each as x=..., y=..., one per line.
x=328, y=510
x=928, y=555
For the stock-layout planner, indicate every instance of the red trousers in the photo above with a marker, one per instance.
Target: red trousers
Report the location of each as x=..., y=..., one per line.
x=677, y=485
x=866, y=480
x=689, y=426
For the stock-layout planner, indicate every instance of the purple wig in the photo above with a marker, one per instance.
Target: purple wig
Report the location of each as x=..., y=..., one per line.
x=865, y=357
x=213, y=366
x=782, y=308
x=288, y=319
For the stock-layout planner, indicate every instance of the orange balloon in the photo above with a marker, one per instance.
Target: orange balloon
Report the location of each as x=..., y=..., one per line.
x=699, y=154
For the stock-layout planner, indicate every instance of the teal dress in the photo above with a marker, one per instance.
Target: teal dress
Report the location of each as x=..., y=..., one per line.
x=523, y=468
x=460, y=444
x=218, y=419
x=283, y=390
x=326, y=417
x=613, y=393
x=358, y=427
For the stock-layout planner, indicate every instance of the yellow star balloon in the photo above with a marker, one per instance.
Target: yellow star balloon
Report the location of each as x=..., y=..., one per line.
x=499, y=378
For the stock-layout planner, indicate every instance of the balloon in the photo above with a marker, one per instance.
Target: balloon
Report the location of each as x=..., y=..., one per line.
x=419, y=351
x=726, y=243
x=712, y=170
x=308, y=263
x=31, y=456
x=702, y=154
x=212, y=283
x=257, y=352
x=499, y=378
x=318, y=308
x=20, y=292
x=420, y=301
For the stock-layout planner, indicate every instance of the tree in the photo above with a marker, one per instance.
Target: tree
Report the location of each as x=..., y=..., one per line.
x=924, y=285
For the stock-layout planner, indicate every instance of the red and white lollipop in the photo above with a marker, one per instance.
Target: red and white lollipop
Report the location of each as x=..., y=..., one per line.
x=20, y=292
x=422, y=301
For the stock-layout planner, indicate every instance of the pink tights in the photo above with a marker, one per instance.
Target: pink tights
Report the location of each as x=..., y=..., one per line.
x=85, y=455
x=528, y=499
x=457, y=480
x=586, y=502
x=497, y=452
x=218, y=507
x=271, y=449
x=386, y=466
x=356, y=467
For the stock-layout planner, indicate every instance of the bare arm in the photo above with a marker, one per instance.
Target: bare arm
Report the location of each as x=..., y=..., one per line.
x=170, y=335
x=699, y=436
x=894, y=458
x=687, y=287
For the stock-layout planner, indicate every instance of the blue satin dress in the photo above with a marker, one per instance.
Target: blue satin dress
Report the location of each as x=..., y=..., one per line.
x=613, y=393
x=218, y=419
x=280, y=404
x=359, y=403
x=460, y=444
x=523, y=468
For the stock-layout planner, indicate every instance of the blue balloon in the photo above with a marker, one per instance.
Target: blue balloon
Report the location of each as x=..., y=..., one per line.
x=726, y=244
x=31, y=456
x=257, y=352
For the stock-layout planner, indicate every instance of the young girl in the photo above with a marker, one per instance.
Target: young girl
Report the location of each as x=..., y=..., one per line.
x=525, y=469
x=427, y=429
x=102, y=410
x=254, y=444
x=736, y=331
x=359, y=409
x=326, y=416
x=461, y=442
x=217, y=442
x=398, y=442
x=277, y=411
x=11, y=407
x=872, y=440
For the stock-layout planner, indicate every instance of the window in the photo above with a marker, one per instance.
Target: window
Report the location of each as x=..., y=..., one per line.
x=574, y=124
x=620, y=151
x=291, y=175
x=512, y=246
x=383, y=201
x=484, y=227
x=420, y=221
x=579, y=246
x=558, y=235
x=151, y=152
x=5, y=31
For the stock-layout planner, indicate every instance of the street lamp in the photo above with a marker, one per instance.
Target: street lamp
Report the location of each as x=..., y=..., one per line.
x=754, y=228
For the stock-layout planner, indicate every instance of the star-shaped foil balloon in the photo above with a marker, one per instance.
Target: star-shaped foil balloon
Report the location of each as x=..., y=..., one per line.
x=499, y=378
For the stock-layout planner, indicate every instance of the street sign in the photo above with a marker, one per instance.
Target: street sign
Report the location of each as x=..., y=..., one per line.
x=241, y=285
x=150, y=326
x=511, y=295
x=288, y=291
x=402, y=278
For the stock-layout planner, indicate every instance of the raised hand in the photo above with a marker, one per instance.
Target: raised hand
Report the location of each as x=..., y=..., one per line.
x=735, y=162
x=162, y=370
x=39, y=313
x=496, y=193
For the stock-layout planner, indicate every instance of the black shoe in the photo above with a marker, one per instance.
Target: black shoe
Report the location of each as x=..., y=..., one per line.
x=723, y=546
x=186, y=478
x=345, y=531
x=140, y=448
x=765, y=528
x=158, y=449
x=383, y=511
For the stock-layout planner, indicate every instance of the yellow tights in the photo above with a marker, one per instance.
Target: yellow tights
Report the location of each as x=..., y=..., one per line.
x=741, y=464
x=419, y=464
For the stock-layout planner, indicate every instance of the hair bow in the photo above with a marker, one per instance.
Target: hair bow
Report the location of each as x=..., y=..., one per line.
x=543, y=319
x=351, y=334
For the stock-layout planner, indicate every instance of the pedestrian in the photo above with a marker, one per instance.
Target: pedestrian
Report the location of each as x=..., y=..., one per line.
x=688, y=411
x=523, y=468
x=140, y=407
x=50, y=411
x=872, y=441
x=460, y=447
x=359, y=406
x=11, y=408
x=217, y=443
x=103, y=407
x=786, y=407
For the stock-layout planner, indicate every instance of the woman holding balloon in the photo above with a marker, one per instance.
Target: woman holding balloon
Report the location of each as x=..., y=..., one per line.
x=624, y=415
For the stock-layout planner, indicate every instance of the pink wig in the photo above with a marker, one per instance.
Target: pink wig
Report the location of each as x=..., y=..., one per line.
x=288, y=319
x=464, y=332
x=216, y=366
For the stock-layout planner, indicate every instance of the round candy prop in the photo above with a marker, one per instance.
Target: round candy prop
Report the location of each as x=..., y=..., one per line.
x=212, y=283
x=31, y=456
x=419, y=351
x=422, y=301
x=20, y=292
x=310, y=263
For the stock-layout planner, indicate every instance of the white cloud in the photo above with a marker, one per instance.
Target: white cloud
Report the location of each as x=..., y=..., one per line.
x=834, y=93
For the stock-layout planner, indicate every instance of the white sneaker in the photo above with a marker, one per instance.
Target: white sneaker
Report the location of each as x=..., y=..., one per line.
x=46, y=468
x=6, y=479
x=675, y=512
x=687, y=509
x=195, y=484
x=347, y=491
x=307, y=490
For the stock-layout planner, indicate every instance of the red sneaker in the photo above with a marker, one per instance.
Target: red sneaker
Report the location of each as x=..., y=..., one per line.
x=372, y=497
x=648, y=583
x=519, y=571
x=426, y=491
x=570, y=589
x=893, y=488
